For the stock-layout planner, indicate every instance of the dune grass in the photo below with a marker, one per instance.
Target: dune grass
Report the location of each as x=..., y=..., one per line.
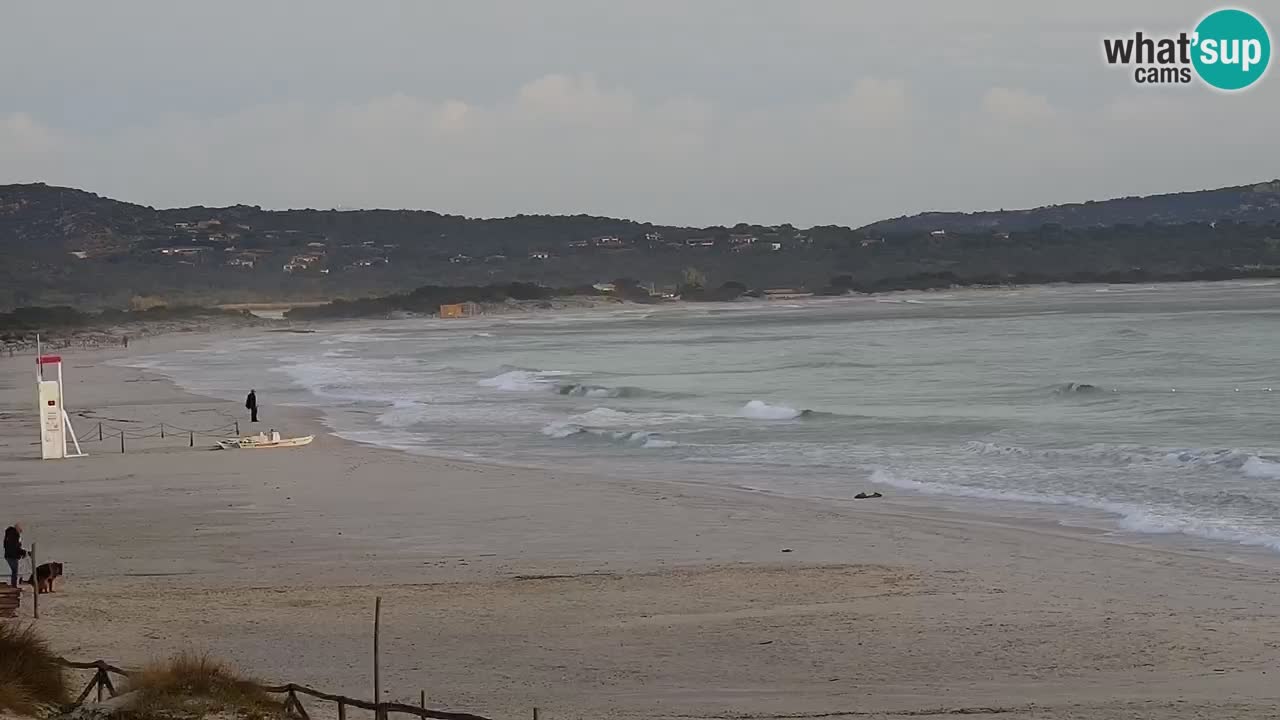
x=30, y=676
x=193, y=685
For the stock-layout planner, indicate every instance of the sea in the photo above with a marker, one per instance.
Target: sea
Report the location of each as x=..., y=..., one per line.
x=1141, y=410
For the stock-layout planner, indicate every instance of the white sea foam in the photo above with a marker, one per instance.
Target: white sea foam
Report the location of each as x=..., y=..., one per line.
x=523, y=380
x=1256, y=467
x=639, y=438
x=760, y=410
x=1132, y=518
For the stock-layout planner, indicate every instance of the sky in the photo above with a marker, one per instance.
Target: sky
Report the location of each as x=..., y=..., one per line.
x=694, y=112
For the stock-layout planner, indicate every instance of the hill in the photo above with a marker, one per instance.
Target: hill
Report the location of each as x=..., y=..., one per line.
x=63, y=246
x=1258, y=203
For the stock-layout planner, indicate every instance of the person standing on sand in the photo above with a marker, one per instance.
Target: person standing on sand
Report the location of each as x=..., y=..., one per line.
x=13, y=551
x=251, y=403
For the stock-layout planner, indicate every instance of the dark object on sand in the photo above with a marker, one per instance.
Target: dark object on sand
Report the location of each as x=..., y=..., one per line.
x=251, y=404
x=864, y=496
x=44, y=576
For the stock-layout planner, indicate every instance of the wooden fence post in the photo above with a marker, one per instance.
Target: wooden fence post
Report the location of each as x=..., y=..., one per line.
x=161, y=431
x=35, y=583
x=193, y=439
x=99, y=432
x=342, y=710
x=122, y=441
x=237, y=428
x=377, y=678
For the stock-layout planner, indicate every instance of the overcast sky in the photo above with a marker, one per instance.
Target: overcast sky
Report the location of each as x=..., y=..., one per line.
x=673, y=111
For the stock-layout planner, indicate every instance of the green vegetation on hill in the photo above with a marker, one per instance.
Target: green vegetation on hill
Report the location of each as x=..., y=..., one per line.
x=68, y=247
x=21, y=324
x=427, y=300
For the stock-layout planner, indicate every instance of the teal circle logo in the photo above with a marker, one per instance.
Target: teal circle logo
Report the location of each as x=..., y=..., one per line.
x=1232, y=49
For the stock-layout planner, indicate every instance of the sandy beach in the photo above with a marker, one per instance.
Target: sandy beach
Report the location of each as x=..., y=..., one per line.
x=504, y=588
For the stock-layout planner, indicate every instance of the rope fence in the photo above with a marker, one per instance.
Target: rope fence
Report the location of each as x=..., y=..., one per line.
x=163, y=431
x=103, y=685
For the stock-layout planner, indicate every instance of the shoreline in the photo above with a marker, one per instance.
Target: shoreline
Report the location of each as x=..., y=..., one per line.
x=509, y=587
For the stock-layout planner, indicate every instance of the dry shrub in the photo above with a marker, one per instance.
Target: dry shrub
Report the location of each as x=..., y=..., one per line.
x=30, y=675
x=190, y=684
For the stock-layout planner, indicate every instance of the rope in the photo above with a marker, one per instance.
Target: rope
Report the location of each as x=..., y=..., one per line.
x=106, y=432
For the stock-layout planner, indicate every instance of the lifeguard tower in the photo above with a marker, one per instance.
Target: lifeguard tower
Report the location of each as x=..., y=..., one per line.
x=55, y=425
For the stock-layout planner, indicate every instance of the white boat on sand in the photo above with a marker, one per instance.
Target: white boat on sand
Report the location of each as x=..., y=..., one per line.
x=263, y=440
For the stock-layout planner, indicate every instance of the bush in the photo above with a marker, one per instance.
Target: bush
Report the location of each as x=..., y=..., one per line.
x=30, y=675
x=196, y=684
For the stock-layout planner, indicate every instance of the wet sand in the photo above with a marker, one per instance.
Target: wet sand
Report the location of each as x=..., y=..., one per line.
x=506, y=588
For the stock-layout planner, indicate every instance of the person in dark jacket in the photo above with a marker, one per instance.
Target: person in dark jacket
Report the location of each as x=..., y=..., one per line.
x=13, y=550
x=251, y=403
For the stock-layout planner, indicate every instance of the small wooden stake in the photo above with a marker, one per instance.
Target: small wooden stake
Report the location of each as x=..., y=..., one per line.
x=99, y=432
x=35, y=583
x=377, y=678
x=161, y=431
x=193, y=439
x=122, y=442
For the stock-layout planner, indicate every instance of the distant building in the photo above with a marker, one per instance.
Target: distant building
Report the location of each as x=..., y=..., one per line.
x=460, y=259
x=246, y=263
x=605, y=287
x=608, y=241
x=182, y=251
x=539, y=255
x=459, y=310
x=700, y=242
x=938, y=233
x=579, y=244
x=79, y=254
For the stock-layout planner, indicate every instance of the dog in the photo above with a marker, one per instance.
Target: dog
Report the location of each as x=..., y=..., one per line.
x=44, y=577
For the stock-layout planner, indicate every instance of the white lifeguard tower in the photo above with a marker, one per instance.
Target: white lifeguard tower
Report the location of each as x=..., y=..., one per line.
x=55, y=425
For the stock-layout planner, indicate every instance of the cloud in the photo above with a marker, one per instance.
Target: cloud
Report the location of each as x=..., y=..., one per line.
x=876, y=146
x=1017, y=106
x=22, y=134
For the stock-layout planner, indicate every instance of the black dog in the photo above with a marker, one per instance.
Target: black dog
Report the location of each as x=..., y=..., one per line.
x=44, y=576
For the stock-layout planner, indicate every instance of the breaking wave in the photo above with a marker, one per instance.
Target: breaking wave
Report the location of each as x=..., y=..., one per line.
x=1073, y=388
x=523, y=380
x=1248, y=463
x=601, y=391
x=760, y=410
x=1133, y=518
x=635, y=438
